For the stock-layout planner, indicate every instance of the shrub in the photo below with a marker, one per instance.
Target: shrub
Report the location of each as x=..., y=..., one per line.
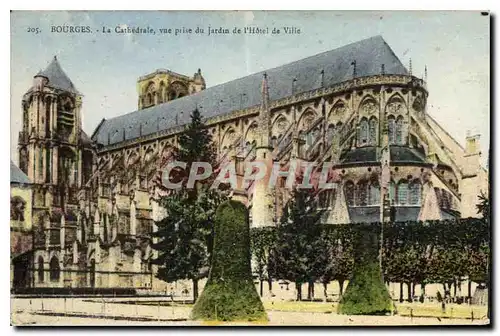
x=230, y=294
x=366, y=293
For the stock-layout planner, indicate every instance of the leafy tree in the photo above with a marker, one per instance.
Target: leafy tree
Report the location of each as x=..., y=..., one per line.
x=483, y=207
x=298, y=256
x=340, y=255
x=261, y=243
x=186, y=234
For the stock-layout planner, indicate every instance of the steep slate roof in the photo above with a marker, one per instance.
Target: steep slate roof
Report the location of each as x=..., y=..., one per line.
x=405, y=154
x=362, y=154
x=17, y=175
x=369, y=55
x=369, y=154
x=57, y=77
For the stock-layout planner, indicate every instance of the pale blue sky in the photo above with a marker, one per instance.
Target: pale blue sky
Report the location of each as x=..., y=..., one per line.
x=105, y=68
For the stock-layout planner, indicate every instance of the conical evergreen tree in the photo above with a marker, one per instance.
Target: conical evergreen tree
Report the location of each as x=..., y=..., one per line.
x=230, y=293
x=185, y=235
x=366, y=293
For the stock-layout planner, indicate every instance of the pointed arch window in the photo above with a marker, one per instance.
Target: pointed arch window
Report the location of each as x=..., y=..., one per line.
x=439, y=197
x=403, y=193
x=415, y=190
x=274, y=141
x=54, y=269
x=391, y=128
x=362, y=193
x=326, y=199
x=330, y=133
x=446, y=197
x=363, y=132
x=392, y=192
x=373, y=131
x=40, y=270
x=349, y=193
x=374, y=193
x=399, y=131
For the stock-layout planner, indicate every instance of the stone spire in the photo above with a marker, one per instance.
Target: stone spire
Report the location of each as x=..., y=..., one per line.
x=265, y=93
x=353, y=63
x=262, y=201
x=265, y=115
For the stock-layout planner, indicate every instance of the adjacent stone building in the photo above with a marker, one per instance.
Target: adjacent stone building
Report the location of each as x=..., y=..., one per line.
x=95, y=198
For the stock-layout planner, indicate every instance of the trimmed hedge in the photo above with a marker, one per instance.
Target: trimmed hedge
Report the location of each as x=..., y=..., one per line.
x=230, y=294
x=366, y=293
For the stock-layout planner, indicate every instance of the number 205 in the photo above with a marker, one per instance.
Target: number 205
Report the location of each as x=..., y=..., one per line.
x=33, y=30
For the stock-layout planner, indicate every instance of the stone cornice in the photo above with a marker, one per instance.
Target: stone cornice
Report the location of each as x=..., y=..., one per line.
x=353, y=84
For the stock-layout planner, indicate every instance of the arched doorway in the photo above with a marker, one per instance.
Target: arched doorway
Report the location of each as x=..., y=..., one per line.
x=21, y=276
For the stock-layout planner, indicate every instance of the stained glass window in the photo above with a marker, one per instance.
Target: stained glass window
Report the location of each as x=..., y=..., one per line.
x=373, y=131
x=403, y=193
x=415, y=193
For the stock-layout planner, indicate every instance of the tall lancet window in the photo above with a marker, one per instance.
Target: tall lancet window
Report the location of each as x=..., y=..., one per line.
x=392, y=192
x=373, y=131
x=402, y=193
x=41, y=270
x=399, y=131
x=363, y=132
x=391, y=127
x=362, y=193
x=330, y=133
x=349, y=192
x=415, y=190
x=374, y=193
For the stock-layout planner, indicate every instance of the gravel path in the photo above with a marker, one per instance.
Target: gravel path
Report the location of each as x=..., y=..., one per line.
x=81, y=312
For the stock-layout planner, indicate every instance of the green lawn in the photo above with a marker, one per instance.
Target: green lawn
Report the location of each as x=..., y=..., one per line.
x=404, y=309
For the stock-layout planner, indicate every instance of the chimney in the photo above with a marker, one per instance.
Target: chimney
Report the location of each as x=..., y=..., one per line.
x=472, y=155
x=472, y=146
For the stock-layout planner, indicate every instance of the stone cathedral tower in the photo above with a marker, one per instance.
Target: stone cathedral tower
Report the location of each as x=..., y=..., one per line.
x=53, y=150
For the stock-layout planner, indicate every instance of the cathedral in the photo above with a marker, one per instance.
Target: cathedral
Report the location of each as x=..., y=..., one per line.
x=83, y=207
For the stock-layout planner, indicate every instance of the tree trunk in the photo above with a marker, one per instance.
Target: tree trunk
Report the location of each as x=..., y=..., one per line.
x=401, y=299
x=469, y=291
x=298, y=287
x=195, y=290
x=414, y=284
x=270, y=284
x=261, y=287
x=409, y=292
x=341, y=286
x=325, y=287
x=422, y=292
